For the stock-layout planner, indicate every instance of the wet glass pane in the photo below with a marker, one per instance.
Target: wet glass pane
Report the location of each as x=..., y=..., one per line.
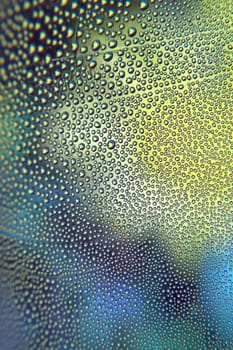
x=116, y=175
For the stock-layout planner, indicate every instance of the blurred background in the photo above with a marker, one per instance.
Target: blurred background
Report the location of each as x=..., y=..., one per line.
x=116, y=174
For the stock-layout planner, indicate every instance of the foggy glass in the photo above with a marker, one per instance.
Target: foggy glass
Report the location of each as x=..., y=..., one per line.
x=116, y=175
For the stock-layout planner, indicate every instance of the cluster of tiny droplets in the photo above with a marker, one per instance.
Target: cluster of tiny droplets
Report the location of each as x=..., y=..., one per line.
x=116, y=173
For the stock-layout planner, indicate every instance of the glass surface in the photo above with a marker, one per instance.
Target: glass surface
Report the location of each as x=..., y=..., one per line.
x=116, y=175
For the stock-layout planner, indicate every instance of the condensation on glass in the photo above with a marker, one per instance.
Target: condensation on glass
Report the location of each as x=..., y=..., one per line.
x=116, y=175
